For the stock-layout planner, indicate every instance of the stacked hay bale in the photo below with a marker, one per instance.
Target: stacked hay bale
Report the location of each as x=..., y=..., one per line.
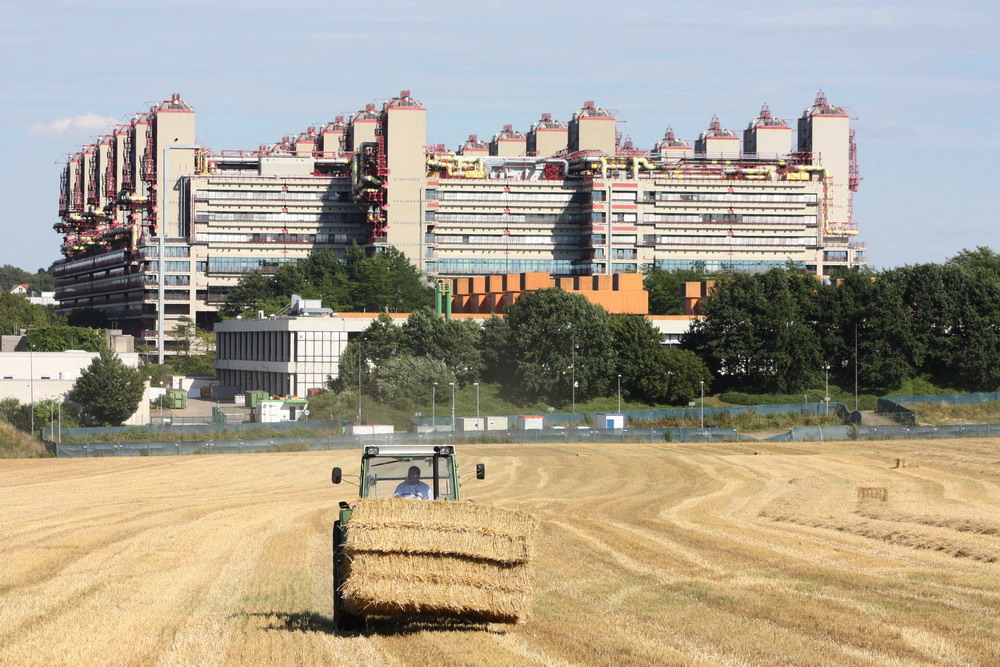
x=438, y=558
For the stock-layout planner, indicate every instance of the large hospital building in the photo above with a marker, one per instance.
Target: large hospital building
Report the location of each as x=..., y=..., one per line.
x=568, y=198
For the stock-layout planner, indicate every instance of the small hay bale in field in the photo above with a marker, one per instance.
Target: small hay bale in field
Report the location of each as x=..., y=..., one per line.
x=876, y=493
x=438, y=558
x=906, y=463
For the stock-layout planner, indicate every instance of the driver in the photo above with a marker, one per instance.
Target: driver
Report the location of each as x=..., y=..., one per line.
x=412, y=487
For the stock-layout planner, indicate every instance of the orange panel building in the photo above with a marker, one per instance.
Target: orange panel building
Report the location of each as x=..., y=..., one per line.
x=620, y=293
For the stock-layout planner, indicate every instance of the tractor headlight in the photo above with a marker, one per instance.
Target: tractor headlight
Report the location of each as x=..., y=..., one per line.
x=371, y=451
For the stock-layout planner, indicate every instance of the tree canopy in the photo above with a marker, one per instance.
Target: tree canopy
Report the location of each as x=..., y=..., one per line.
x=384, y=282
x=16, y=313
x=108, y=391
x=664, y=288
x=554, y=337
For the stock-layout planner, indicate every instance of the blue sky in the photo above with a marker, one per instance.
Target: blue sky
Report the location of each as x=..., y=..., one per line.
x=921, y=78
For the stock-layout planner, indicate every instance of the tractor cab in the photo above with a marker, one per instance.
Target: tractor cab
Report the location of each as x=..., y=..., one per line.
x=385, y=469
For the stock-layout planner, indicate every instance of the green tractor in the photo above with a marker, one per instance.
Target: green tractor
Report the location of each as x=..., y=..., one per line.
x=419, y=472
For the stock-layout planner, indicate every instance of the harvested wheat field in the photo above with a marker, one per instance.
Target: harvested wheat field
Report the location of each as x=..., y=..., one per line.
x=764, y=553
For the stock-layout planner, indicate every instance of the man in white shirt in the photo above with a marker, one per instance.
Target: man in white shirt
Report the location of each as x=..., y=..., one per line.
x=412, y=487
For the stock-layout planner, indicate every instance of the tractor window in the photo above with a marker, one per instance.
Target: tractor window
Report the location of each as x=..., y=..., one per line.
x=386, y=474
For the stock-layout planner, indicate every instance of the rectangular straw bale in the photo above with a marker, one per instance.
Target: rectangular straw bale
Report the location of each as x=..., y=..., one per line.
x=437, y=585
x=394, y=525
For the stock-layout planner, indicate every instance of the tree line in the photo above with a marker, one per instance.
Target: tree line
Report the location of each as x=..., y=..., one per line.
x=384, y=282
x=551, y=345
x=780, y=331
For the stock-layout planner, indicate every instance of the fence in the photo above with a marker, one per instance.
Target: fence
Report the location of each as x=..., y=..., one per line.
x=320, y=443
x=825, y=433
x=168, y=432
x=710, y=413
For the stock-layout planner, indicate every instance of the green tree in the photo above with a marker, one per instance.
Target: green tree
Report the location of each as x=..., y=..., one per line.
x=675, y=377
x=637, y=346
x=246, y=297
x=454, y=342
x=62, y=338
x=665, y=287
x=551, y=331
x=386, y=282
x=980, y=258
x=755, y=334
x=17, y=313
x=494, y=346
x=380, y=341
x=185, y=332
x=405, y=381
x=107, y=390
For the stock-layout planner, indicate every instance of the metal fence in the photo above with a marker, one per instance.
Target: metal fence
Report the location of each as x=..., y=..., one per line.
x=632, y=416
x=954, y=399
x=320, y=443
x=882, y=432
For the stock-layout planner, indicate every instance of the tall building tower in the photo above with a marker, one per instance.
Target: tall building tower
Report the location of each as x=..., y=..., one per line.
x=547, y=137
x=306, y=143
x=717, y=142
x=474, y=147
x=672, y=149
x=593, y=128
x=824, y=131
x=402, y=139
x=172, y=122
x=332, y=138
x=509, y=143
x=362, y=127
x=766, y=136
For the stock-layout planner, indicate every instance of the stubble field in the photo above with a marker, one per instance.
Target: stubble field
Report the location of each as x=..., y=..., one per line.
x=670, y=554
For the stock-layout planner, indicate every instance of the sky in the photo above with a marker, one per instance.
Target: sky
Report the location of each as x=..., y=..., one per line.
x=920, y=79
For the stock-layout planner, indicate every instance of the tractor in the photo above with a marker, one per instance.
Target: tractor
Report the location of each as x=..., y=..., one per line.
x=387, y=471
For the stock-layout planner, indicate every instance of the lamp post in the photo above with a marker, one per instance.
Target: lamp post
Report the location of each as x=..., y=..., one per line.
x=31, y=383
x=476, y=384
x=855, y=366
x=573, y=367
x=359, y=382
x=434, y=387
x=619, y=393
x=826, y=396
x=702, y=404
x=452, y=406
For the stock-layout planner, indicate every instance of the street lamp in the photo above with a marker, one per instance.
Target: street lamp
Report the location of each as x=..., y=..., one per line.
x=573, y=367
x=452, y=406
x=826, y=396
x=434, y=405
x=31, y=379
x=619, y=393
x=702, y=404
x=855, y=366
x=476, y=384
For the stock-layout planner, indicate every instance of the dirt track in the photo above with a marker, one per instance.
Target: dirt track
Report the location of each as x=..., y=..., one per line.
x=686, y=554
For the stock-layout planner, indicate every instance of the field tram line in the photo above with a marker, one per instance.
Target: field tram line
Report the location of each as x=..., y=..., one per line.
x=958, y=524
x=892, y=535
